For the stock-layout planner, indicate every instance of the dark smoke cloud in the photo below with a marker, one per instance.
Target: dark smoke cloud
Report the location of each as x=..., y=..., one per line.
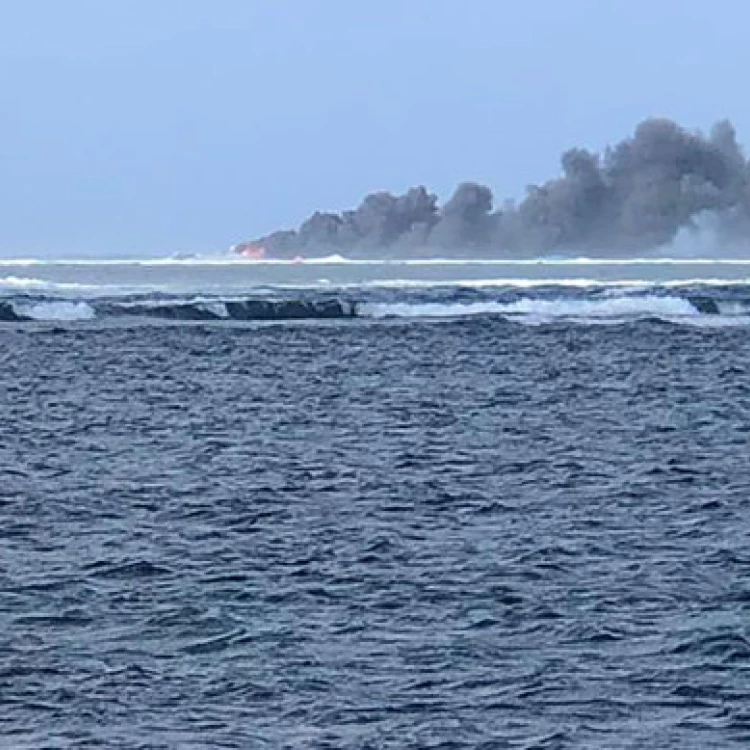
x=634, y=198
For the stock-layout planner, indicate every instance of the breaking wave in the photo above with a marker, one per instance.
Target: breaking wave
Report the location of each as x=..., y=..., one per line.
x=234, y=309
x=23, y=283
x=612, y=307
x=46, y=310
x=703, y=305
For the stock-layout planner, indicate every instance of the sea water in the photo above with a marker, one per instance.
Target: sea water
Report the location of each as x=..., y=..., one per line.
x=375, y=504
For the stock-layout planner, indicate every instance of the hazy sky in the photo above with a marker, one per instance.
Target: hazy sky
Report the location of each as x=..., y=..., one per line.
x=186, y=125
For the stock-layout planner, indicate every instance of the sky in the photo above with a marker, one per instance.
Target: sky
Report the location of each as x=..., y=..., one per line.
x=160, y=126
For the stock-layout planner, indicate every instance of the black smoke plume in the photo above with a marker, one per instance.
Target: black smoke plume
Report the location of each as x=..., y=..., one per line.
x=632, y=199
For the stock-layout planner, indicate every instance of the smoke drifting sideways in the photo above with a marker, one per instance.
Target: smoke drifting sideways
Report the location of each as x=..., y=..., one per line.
x=664, y=183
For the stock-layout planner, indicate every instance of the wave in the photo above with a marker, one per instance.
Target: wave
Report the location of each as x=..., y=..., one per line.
x=21, y=262
x=12, y=284
x=310, y=309
x=46, y=310
x=541, y=302
x=235, y=309
x=22, y=283
x=196, y=310
x=611, y=307
x=732, y=308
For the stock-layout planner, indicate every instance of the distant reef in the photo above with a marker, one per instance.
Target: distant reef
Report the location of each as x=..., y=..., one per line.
x=633, y=198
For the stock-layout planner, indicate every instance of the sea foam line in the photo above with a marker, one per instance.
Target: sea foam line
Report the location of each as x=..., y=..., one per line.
x=549, y=309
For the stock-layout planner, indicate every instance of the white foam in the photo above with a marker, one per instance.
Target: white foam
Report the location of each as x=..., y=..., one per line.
x=207, y=303
x=326, y=260
x=540, y=309
x=18, y=282
x=20, y=262
x=55, y=310
x=604, y=308
x=219, y=309
x=22, y=283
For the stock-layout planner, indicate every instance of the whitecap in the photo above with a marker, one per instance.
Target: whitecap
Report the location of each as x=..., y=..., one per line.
x=55, y=310
x=540, y=309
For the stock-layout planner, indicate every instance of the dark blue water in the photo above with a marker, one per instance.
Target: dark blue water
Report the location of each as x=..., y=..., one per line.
x=374, y=534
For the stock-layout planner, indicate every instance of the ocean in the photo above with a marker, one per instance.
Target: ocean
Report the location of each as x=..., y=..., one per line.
x=336, y=504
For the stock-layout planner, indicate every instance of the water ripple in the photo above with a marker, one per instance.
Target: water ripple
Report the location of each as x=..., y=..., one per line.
x=375, y=534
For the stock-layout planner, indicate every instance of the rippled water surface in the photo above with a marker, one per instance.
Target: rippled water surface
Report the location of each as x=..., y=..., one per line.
x=466, y=533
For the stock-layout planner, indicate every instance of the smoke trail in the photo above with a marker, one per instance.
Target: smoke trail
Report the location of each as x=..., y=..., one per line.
x=661, y=183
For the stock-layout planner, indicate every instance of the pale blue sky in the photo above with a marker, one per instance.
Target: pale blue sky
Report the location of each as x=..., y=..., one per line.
x=186, y=125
